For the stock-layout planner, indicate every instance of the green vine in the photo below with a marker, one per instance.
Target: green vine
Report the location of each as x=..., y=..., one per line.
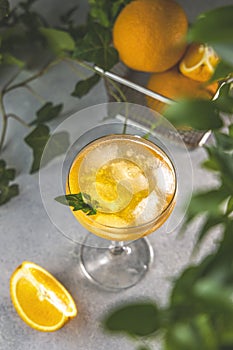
x=199, y=314
x=20, y=27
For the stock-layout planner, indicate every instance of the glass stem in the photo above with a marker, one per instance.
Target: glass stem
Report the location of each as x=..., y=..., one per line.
x=118, y=247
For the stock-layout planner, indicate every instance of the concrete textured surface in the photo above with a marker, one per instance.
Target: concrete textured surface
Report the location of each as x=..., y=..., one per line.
x=28, y=234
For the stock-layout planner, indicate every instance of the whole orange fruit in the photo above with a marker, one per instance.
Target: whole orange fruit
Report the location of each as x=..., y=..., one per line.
x=174, y=85
x=150, y=34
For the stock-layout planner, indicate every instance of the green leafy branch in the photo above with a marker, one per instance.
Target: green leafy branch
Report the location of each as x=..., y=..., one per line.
x=199, y=312
x=21, y=29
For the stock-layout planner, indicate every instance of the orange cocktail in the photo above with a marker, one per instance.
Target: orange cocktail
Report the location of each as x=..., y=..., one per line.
x=129, y=180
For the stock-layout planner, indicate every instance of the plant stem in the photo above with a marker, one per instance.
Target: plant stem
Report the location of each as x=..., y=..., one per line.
x=32, y=77
x=34, y=93
x=4, y=122
x=70, y=63
x=14, y=76
x=89, y=67
x=20, y=120
x=7, y=88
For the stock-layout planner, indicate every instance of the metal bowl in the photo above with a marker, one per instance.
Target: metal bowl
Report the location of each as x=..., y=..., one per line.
x=123, y=83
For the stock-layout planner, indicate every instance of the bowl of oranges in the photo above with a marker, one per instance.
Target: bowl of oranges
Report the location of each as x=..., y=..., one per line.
x=151, y=39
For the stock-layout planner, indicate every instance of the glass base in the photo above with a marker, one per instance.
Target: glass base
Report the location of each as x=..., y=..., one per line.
x=118, y=266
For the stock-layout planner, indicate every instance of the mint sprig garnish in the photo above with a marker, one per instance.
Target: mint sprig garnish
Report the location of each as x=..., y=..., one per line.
x=79, y=201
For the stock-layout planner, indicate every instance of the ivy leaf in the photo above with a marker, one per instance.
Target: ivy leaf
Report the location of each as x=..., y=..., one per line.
x=37, y=140
x=199, y=114
x=7, y=191
x=47, y=112
x=4, y=8
x=215, y=28
x=58, y=40
x=79, y=201
x=100, y=12
x=8, y=58
x=140, y=319
x=84, y=86
x=105, y=12
x=96, y=47
x=58, y=144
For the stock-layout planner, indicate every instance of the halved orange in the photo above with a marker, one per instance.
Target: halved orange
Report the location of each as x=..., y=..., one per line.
x=199, y=62
x=40, y=299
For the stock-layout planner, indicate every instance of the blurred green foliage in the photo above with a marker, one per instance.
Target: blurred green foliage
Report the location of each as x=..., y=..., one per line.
x=199, y=314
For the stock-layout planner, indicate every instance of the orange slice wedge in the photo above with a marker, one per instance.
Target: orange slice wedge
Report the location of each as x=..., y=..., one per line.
x=199, y=62
x=40, y=299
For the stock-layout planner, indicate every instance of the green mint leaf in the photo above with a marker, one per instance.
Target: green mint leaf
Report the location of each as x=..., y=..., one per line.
x=58, y=40
x=199, y=114
x=7, y=190
x=84, y=86
x=37, y=140
x=47, y=112
x=4, y=8
x=140, y=319
x=96, y=47
x=77, y=202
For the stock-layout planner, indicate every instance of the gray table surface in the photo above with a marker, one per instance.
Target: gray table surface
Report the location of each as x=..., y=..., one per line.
x=28, y=234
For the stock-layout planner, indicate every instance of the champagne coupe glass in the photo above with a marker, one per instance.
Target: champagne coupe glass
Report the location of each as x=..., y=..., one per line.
x=128, y=175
